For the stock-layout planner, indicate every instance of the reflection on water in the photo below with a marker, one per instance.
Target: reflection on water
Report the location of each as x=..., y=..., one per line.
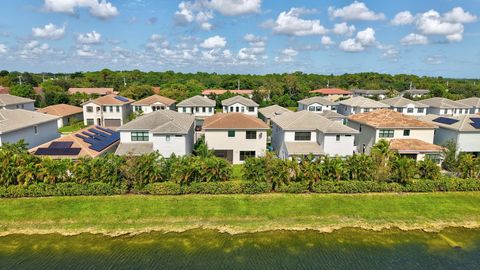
x=205, y=249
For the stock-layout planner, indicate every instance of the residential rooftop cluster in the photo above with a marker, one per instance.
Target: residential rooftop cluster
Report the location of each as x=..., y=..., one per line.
x=331, y=121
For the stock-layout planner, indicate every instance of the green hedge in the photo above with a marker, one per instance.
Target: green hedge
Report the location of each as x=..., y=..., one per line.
x=228, y=187
x=60, y=189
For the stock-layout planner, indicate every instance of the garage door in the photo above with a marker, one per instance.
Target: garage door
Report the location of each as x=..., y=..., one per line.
x=113, y=122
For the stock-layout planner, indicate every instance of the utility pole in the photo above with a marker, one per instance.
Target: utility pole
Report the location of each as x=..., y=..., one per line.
x=411, y=85
x=20, y=79
x=124, y=82
x=328, y=83
x=238, y=84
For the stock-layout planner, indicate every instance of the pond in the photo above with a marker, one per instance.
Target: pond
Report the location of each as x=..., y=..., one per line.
x=207, y=249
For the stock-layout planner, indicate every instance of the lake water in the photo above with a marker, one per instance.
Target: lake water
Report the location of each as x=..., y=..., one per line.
x=205, y=249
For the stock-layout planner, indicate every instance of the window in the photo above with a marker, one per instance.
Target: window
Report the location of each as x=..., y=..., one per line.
x=386, y=133
x=167, y=138
x=406, y=132
x=437, y=158
x=90, y=122
x=237, y=109
x=318, y=108
x=104, y=108
x=337, y=138
x=366, y=110
x=303, y=136
x=118, y=108
x=420, y=110
x=210, y=109
x=243, y=109
x=204, y=109
x=139, y=136
x=111, y=108
x=98, y=109
x=410, y=110
x=246, y=154
x=231, y=133
x=138, y=108
x=251, y=109
x=445, y=111
x=311, y=108
x=231, y=109
x=251, y=134
x=89, y=109
x=400, y=110
x=35, y=129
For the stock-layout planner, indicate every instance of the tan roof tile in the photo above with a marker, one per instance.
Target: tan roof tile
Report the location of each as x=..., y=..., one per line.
x=233, y=121
x=385, y=118
x=154, y=99
x=223, y=91
x=61, y=110
x=109, y=100
x=413, y=146
x=332, y=91
x=91, y=90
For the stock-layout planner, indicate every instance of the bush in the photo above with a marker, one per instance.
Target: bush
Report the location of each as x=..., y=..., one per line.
x=229, y=187
x=60, y=189
x=294, y=187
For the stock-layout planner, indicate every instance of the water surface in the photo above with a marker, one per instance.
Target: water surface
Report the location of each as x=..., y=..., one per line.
x=206, y=249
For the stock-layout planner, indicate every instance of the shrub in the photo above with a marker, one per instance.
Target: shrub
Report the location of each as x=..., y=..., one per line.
x=164, y=188
x=60, y=189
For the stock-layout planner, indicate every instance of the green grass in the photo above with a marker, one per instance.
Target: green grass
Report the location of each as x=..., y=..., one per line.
x=238, y=213
x=71, y=128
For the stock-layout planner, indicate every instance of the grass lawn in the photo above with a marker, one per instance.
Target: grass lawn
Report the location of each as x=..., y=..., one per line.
x=71, y=128
x=238, y=213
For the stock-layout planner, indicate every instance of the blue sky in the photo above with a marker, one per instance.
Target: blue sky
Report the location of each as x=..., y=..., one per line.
x=438, y=38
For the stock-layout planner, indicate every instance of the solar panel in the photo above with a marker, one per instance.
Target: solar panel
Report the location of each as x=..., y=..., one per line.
x=60, y=145
x=476, y=125
x=57, y=151
x=122, y=99
x=99, y=138
x=475, y=119
x=96, y=132
x=106, y=130
x=445, y=120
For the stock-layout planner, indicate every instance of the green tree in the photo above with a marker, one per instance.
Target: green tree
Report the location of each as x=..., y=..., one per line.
x=450, y=151
x=23, y=90
x=402, y=169
x=468, y=166
x=428, y=169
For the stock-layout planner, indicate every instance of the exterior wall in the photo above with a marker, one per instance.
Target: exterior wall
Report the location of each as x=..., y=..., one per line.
x=237, y=107
x=342, y=148
x=197, y=111
x=29, y=106
x=219, y=140
x=348, y=110
x=469, y=142
x=439, y=111
x=98, y=113
x=336, y=97
x=65, y=121
x=278, y=136
x=366, y=137
x=415, y=110
x=46, y=132
x=146, y=109
x=313, y=108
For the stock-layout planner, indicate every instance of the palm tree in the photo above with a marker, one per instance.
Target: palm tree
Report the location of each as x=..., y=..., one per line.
x=381, y=152
x=403, y=169
x=468, y=166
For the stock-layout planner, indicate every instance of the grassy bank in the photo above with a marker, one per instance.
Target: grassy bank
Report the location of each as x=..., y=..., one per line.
x=238, y=213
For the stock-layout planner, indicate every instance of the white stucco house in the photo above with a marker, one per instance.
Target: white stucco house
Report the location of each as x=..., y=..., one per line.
x=407, y=135
x=67, y=114
x=33, y=127
x=473, y=102
x=406, y=106
x=303, y=133
x=270, y=112
x=153, y=103
x=333, y=94
x=107, y=111
x=464, y=130
x=444, y=106
x=12, y=102
x=378, y=94
x=199, y=106
x=236, y=136
x=316, y=105
x=359, y=104
x=240, y=104
x=415, y=93
x=165, y=131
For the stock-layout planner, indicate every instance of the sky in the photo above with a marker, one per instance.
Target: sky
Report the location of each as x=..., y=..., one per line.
x=426, y=37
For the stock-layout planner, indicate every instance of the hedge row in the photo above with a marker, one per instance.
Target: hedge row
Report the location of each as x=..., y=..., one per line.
x=60, y=189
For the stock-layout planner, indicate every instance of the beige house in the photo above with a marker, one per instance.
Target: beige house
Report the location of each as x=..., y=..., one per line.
x=68, y=113
x=378, y=94
x=153, y=103
x=406, y=106
x=236, y=136
x=407, y=135
x=240, y=104
x=316, y=105
x=473, y=102
x=107, y=111
x=359, y=104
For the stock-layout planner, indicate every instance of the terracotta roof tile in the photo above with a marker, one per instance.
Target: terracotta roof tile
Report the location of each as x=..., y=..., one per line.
x=385, y=118
x=90, y=91
x=413, y=146
x=332, y=91
x=233, y=121
x=109, y=100
x=61, y=110
x=223, y=91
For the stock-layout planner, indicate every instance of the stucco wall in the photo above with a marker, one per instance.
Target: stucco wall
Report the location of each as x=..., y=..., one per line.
x=46, y=132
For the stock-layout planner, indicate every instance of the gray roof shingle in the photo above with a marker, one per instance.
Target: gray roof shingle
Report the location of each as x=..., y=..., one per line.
x=362, y=102
x=7, y=99
x=239, y=99
x=444, y=103
x=273, y=111
x=164, y=122
x=319, y=100
x=197, y=101
x=402, y=102
x=305, y=120
x=11, y=120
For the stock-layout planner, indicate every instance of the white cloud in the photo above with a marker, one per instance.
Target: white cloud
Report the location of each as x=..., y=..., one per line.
x=343, y=29
x=49, y=31
x=236, y=7
x=286, y=55
x=86, y=51
x=290, y=23
x=3, y=48
x=98, y=8
x=363, y=40
x=403, y=18
x=458, y=15
x=89, y=38
x=457, y=37
x=214, y=42
x=414, y=39
x=33, y=49
x=355, y=11
x=389, y=52
x=327, y=41
x=434, y=60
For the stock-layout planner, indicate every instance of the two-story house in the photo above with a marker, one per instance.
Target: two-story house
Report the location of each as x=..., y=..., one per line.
x=464, y=130
x=167, y=132
x=333, y=94
x=445, y=106
x=240, y=104
x=359, y=104
x=68, y=114
x=107, y=111
x=270, y=112
x=12, y=102
x=33, y=127
x=153, y=103
x=377, y=94
x=473, y=102
x=198, y=106
x=407, y=135
x=235, y=136
x=305, y=133
x=316, y=105
x=406, y=106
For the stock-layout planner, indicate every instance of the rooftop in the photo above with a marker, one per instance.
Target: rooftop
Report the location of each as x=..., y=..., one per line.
x=110, y=100
x=273, y=111
x=233, y=121
x=417, y=91
x=308, y=121
x=332, y=115
x=331, y=91
x=414, y=146
x=239, y=99
x=362, y=102
x=134, y=149
x=303, y=148
x=370, y=92
x=402, y=102
x=163, y=122
x=199, y=101
x=444, y=103
x=223, y=91
x=318, y=100
x=61, y=110
x=11, y=120
x=4, y=90
x=154, y=99
x=464, y=123
x=385, y=118
x=473, y=102
x=92, y=90
x=7, y=99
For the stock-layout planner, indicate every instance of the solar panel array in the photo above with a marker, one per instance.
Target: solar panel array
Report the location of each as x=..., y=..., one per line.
x=122, y=99
x=60, y=145
x=57, y=151
x=99, y=138
x=476, y=122
x=445, y=120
